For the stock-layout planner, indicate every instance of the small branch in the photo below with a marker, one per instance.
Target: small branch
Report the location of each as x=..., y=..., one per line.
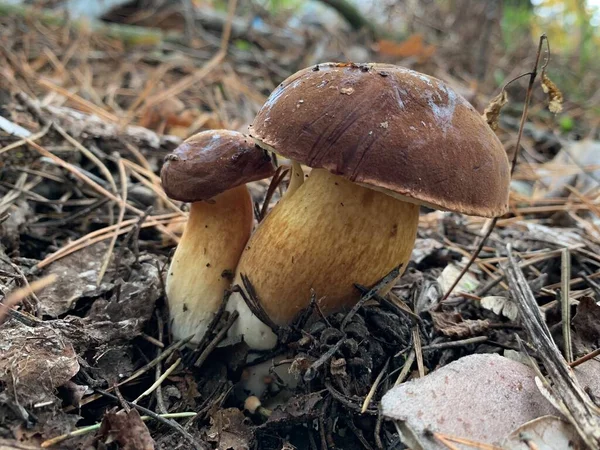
x=570, y=398
x=532, y=77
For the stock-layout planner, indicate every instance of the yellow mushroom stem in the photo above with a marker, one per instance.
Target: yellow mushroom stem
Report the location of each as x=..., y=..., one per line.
x=205, y=260
x=330, y=234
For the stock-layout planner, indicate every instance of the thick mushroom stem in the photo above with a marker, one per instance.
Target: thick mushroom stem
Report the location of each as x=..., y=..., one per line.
x=330, y=234
x=205, y=260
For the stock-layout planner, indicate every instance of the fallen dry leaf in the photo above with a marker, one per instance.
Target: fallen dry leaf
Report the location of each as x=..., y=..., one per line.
x=453, y=324
x=586, y=323
x=127, y=429
x=230, y=430
x=480, y=397
x=500, y=306
x=76, y=275
x=34, y=361
x=544, y=433
x=412, y=46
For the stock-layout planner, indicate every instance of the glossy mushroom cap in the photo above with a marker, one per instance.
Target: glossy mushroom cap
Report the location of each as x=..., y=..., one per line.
x=391, y=129
x=212, y=162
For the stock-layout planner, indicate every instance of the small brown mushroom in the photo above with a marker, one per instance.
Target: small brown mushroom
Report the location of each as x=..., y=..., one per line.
x=381, y=140
x=210, y=169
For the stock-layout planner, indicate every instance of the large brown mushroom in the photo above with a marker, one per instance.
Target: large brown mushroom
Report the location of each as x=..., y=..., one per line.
x=381, y=140
x=211, y=170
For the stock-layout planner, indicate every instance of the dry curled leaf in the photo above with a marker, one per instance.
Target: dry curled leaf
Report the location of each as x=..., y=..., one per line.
x=555, y=96
x=491, y=114
x=544, y=433
x=480, y=397
x=453, y=325
x=127, y=429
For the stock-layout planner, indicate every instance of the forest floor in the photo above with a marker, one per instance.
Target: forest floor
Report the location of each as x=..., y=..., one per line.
x=87, y=114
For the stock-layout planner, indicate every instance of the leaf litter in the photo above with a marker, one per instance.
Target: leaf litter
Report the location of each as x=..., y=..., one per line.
x=76, y=354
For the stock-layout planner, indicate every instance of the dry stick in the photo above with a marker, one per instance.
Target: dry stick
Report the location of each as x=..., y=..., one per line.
x=585, y=358
x=85, y=430
x=168, y=352
x=170, y=423
x=406, y=368
x=452, y=344
x=280, y=173
x=532, y=77
x=569, y=396
x=371, y=293
x=218, y=338
x=90, y=238
x=111, y=245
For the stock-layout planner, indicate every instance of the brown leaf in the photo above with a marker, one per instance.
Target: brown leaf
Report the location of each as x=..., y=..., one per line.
x=479, y=397
x=299, y=409
x=586, y=323
x=230, y=430
x=127, y=429
x=413, y=46
x=35, y=361
x=453, y=325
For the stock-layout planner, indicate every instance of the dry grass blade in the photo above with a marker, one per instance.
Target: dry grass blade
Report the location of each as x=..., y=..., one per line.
x=83, y=104
x=448, y=439
x=20, y=294
x=214, y=62
x=565, y=297
x=101, y=166
x=106, y=233
x=374, y=387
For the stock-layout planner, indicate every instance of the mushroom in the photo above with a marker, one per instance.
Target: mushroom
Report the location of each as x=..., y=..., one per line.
x=210, y=170
x=381, y=140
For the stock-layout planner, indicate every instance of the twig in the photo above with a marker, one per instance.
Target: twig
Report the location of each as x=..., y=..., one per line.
x=85, y=430
x=453, y=344
x=158, y=382
x=165, y=354
x=278, y=177
x=111, y=245
x=312, y=371
x=532, y=77
x=446, y=439
x=585, y=358
x=570, y=398
x=218, y=338
x=170, y=423
x=394, y=273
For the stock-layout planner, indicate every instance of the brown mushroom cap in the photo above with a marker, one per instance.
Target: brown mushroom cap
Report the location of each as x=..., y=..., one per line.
x=212, y=162
x=391, y=129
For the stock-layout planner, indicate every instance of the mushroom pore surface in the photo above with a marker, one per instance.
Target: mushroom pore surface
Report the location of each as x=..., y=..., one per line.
x=205, y=260
x=326, y=236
